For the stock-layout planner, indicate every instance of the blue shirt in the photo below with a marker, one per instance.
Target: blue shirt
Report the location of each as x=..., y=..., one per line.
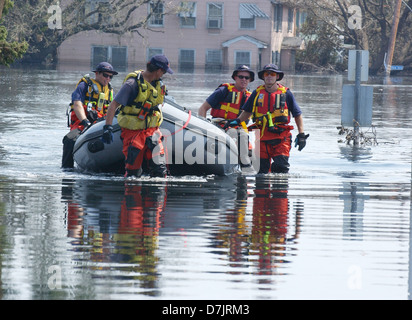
x=79, y=94
x=217, y=97
x=293, y=106
x=127, y=93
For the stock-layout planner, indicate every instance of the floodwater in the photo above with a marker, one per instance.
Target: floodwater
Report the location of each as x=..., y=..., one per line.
x=336, y=227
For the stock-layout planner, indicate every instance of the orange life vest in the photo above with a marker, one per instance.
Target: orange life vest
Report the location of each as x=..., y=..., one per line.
x=271, y=105
x=230, y=107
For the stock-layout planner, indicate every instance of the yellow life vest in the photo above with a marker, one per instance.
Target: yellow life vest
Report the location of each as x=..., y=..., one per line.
x=99, y=96
x=144, y=112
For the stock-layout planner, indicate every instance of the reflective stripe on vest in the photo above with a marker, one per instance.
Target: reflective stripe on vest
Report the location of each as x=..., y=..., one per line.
x=265, y=102
x=230, y=107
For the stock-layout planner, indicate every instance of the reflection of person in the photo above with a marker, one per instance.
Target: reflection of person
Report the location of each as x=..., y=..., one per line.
x=120, y=222
x=140, y=116
x=90, y=100
x=225, y=103
x=271, y=105
x=270, y=221
x=141, y=209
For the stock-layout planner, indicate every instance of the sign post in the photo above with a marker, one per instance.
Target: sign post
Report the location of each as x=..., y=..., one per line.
x=357, y=99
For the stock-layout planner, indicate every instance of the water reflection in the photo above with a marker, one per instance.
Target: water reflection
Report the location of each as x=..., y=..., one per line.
x=240, y=237
x=262, y=241
x=118, y=223
x=270, y=223
x=353, y=207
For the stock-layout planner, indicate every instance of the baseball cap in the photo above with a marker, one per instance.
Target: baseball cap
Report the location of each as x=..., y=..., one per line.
x=161, y=61
x=105, y=67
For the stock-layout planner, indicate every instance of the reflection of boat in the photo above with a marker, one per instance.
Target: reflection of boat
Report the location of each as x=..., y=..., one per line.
x=194, y=146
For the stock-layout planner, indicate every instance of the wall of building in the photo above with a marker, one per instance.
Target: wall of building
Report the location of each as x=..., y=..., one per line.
x=171, y=39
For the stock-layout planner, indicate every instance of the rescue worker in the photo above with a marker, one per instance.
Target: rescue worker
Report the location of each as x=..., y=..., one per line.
x=140, y=99
x=226, y=102
x=90, y=101
x=271, y=106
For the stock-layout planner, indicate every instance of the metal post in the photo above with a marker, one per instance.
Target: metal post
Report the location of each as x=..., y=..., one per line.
x=357, y=96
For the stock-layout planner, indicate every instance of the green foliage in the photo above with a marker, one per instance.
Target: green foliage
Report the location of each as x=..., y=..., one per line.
x=8, y=4
x=10, y=51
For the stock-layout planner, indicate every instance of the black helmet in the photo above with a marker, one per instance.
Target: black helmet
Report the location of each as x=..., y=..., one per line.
x=244, y=68
x=271, y=67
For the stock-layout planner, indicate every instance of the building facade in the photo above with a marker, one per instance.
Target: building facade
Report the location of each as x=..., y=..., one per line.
x=195, y=35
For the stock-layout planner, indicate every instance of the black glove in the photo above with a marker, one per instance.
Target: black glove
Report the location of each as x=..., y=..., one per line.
x=301, y=140
x=85, y=123
x=107, y=136
x=232, y=123
x=92, y=116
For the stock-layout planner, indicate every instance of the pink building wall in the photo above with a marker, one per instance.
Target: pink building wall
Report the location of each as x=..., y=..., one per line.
x=261, y=42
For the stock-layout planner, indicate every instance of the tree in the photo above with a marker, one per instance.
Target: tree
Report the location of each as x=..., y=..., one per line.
x=30, y=20
x=9, y=51
x=322, y=45
x=366, y=24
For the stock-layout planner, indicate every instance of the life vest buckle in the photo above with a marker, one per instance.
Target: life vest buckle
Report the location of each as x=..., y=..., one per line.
x=144, y=111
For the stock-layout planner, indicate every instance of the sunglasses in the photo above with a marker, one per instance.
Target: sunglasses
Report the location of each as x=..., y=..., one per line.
x=107, y=75
x=270, y=73
x=244, y=77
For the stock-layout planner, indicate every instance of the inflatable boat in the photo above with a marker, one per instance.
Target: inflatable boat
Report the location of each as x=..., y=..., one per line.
x=193, y=146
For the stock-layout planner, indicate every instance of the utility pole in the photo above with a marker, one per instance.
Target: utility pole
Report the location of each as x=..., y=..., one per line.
x=392, y=38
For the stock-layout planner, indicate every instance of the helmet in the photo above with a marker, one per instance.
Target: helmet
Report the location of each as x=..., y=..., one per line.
x=271, y=67
x=244, y=68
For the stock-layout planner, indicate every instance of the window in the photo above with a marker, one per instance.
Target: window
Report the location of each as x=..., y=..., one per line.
x=276, y=57
x=242, y=58
x=186, y=60
x=290, y=20
x=247, y=23
x=213, y=61
x=157, y=10
x=119, y=58
x=300, y=18
x=116, y=56
x=94, y=6
x=214, y=15
x=278, y=16
x=187, y=14
x=153, y=51
x=99, y=54
x=248, y=12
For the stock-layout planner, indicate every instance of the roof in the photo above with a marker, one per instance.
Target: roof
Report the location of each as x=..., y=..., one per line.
x=296, y=43
x=250, y=10
x=256, y=42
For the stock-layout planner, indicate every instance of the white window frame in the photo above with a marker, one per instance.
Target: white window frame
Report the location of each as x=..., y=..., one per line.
x=109, y=57
x=180, y=61
x=242, y=63
x=217, y=65
x=191, y=13
x=215, y=21
x=153, y=18
x=150, y=52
